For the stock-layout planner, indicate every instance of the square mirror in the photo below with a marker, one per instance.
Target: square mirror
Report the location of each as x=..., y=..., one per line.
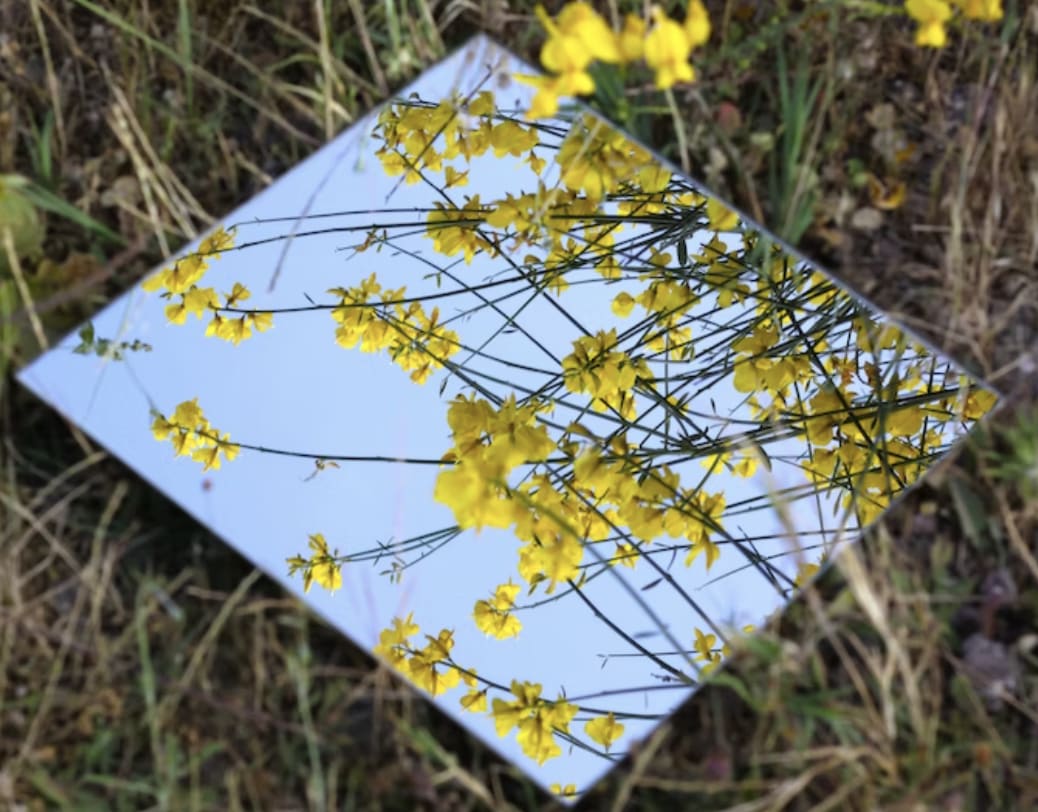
x=516, y=407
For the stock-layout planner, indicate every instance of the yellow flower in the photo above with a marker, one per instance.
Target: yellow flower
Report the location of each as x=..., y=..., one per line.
x=236, y=330
x=424, y=673
x=185, y=273
x=716, y=461
x=559, y=559
x=483, y=104
x=721, y=218
x=581, y=22
x=626, y=554
x=392, y=642
x=472, y=498
x=322, y=567
x=219, y=240
x=177, y=313
x=604, y=730
x=536, y=163
x=829, y=407
x=631, y=40
x=703, y=545
x=704, y=646
x=987, y=10
x=239, y=293
x=623, y=304
x=209, y=455
x=746, y=466
x=537, y=720
x=261, y=321
x=905, y=422
x=511, y=138
x=931, y=16
x=188, y=414
x=475, y=700
x=667, y=49
x=697, y=24
x=494, y=617
x=156, y=281
x=579, y=37
x=565, y=55
x=456, y=178
x=198, y=300
x=550, y=88
x=978, y=403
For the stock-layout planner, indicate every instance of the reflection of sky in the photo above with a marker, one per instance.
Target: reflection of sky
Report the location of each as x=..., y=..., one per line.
x=293, y=388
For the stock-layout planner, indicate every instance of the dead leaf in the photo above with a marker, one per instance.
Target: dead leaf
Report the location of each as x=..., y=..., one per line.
x=886, y=196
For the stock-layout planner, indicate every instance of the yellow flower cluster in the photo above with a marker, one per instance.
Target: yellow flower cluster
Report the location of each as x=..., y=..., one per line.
x=598, y=160
x=528, y=217
x=181, y=280
x=488, y=445
x=668, y=301
x=322, y=566
x=555, y=556
x=189, y=270
x=579, y=36
x=933, y=15
x=722, y=274
x=759, y=369
x=419, y=138
x=190, y=433
x=455, y=229
x=415, y=341
x=538, y=720
x=878, y=450
x=237, y=329
x=494, y=617
x=597, y=164
x=597, y=368
x=647, y=507
x=431, y=667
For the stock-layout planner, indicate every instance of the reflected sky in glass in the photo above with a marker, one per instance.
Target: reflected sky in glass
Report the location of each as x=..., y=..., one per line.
x=613, y=638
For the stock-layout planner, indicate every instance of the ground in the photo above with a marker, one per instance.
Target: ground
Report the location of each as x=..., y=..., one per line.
x=906, y=679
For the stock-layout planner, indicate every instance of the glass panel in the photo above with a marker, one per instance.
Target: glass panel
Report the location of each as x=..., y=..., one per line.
x=514, y=406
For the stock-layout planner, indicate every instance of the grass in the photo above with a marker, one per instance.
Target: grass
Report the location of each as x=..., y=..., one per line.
x=145, y=666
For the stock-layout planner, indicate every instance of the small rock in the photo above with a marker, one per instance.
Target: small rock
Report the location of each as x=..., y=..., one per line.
x=866, y=219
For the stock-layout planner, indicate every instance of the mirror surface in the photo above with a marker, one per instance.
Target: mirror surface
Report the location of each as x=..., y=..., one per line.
x=514, y=406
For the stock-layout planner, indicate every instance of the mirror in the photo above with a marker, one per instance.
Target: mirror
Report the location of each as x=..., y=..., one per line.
x=514, y=406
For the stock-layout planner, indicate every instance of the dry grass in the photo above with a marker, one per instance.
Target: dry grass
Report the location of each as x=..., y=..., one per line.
x=125, y=627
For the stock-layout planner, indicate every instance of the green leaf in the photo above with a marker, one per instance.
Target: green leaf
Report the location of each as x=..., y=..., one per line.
x=972, y=514
x=48, y=201
x=86, y=333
